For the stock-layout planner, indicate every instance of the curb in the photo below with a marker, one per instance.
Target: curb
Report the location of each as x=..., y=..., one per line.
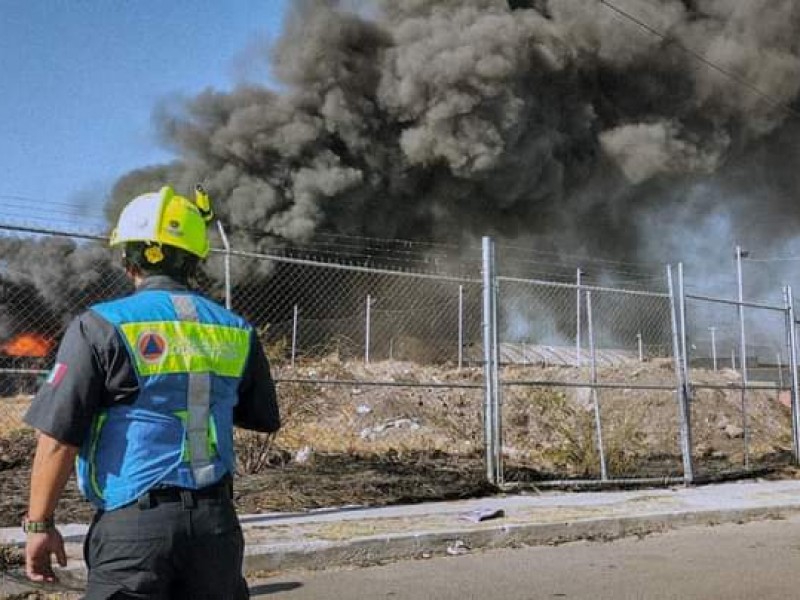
x=263, y=559
x=367, y=551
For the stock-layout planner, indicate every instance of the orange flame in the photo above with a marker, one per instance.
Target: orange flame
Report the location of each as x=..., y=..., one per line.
x=31, y=345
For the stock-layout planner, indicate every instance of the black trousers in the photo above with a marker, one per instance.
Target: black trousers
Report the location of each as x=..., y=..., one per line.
x=167, y=546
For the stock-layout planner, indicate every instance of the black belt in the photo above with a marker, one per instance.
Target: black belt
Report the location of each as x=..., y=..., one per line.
x=222, y=490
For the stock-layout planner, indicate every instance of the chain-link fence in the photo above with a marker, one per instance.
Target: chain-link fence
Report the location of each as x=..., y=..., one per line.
x=358, y=313
x=606, y=409
x=739, y=380
x=591, y=383
x=366, y=358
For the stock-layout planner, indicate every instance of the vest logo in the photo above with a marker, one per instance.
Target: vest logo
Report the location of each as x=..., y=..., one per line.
x=151, y=346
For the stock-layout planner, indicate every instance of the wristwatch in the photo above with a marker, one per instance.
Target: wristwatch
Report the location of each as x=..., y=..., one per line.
x=29, y=526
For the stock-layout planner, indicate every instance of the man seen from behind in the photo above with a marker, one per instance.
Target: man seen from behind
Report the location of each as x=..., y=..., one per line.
x=142, y=401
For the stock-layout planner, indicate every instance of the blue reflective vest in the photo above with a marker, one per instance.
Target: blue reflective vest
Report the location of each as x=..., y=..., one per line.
x=189, y=354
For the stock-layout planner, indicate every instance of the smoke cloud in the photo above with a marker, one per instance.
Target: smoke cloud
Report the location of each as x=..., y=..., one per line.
x=558, y=123
x=451, y=119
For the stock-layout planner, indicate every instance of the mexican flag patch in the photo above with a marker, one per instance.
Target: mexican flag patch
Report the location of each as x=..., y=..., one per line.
x=57, y=374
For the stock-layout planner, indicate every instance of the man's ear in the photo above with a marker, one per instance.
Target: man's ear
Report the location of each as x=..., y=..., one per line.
x=132, y=270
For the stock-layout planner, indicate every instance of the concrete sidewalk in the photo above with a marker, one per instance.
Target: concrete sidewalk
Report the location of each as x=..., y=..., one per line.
x=364, y=536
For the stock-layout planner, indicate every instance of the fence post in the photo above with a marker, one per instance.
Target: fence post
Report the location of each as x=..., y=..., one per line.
x=713, y=331
x=743, y=340
x=792, y=342
x=497, y=412
x=227, y=263
x=681, y=392
x=682, y=309
x=490, y=355
x=578, y=318
x=366, y=330
x=460, y=326
x=294, y=333
x=593, y=358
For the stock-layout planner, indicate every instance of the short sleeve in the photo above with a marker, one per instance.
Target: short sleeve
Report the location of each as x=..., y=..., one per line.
x=257, y=408
x=66, y=403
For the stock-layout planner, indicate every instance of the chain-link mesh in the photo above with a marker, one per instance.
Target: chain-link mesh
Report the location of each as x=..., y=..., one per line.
x=581, y=365
x=37, y=304
x=314, y=310
x=625, y=329
x=740, y=408
x=550, y=432
x=578, y=362
x=369, y=331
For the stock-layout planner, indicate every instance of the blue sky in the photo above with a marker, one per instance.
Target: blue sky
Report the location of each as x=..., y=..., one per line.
x=80, y=79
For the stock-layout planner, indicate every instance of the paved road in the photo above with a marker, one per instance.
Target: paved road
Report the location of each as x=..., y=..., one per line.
x=754, y=561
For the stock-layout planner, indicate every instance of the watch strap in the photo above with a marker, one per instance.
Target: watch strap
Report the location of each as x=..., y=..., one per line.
x=29, y=526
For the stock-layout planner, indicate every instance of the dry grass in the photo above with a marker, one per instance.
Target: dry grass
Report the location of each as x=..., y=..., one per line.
x=11, y=412
x=551, y=429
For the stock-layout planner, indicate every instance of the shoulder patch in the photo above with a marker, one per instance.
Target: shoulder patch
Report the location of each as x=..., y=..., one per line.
x=57, y=374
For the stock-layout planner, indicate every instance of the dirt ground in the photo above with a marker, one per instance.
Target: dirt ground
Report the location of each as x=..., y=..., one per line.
x=358, y=444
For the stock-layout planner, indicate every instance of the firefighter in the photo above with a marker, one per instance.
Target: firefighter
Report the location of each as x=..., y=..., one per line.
x=142, y=400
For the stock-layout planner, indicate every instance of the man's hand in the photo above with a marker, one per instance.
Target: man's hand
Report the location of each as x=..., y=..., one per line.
x=52, y=465
x=38, y=551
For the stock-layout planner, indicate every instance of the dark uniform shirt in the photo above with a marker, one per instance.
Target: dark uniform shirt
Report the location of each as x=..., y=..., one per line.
x=94, y=371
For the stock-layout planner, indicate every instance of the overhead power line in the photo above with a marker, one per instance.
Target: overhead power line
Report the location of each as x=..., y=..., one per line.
x=38, y=201
x=51, y=232
x=25, y=208
x=24, y=212
x=700, y=58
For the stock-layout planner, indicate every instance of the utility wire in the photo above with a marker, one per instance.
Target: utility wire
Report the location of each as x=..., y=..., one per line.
x=699, y=57
x=51, y=232
x=52, y=214
x=29, y=199
x=775, y=259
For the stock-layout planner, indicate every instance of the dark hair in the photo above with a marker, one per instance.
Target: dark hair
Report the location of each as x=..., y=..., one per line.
x=176, y=263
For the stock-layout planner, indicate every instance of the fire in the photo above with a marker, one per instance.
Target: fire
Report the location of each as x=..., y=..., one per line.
x=32, y=345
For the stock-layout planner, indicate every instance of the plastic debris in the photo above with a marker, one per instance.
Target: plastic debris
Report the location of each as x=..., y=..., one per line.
x=483, y=514
x=457, y=548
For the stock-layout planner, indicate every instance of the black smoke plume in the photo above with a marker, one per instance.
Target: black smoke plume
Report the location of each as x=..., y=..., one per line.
x=563, y=125
x=561, y=122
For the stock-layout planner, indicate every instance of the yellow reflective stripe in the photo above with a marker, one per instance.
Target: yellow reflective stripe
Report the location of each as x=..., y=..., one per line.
x=164, y=347
x=186, y=455
x=212, y=436
x=98, y=427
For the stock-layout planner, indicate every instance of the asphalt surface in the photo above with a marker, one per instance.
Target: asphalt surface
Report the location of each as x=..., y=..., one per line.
x=348, y=537
x=754, y=560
